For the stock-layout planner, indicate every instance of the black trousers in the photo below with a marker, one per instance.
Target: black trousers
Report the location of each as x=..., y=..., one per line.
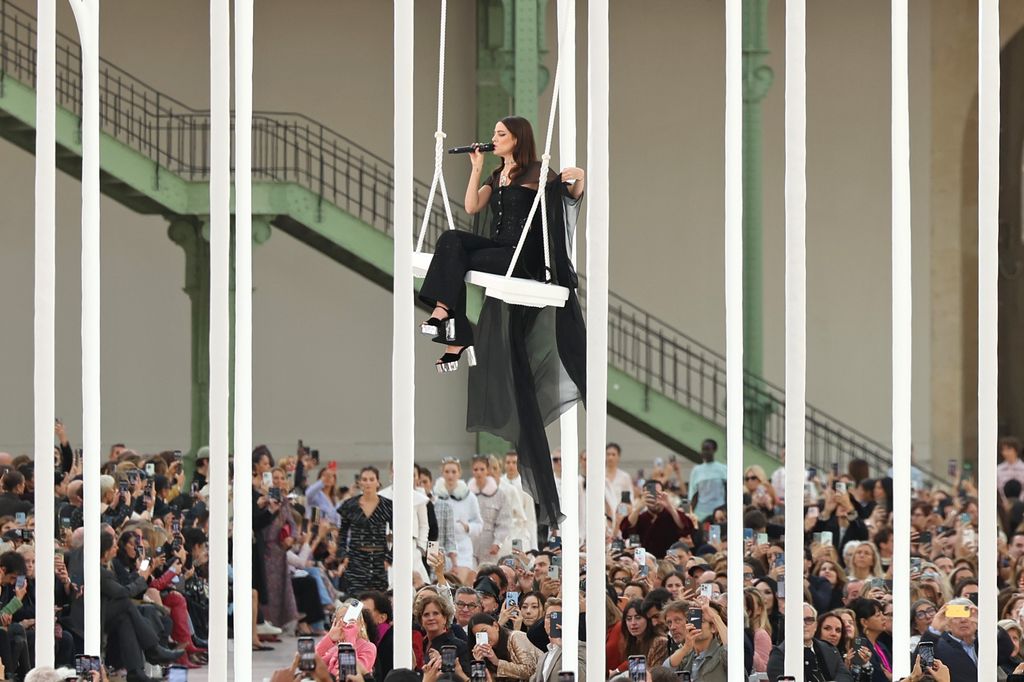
x=307, y=599
x=129, y=633
x=457, y=253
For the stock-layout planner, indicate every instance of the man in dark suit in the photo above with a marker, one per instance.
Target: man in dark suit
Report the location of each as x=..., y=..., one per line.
x=821, y=660
x=957, y=646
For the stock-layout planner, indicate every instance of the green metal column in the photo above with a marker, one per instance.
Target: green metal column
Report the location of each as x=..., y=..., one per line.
x=187, y=233
x=510, y=47
x=757, y=80
x=193, y=236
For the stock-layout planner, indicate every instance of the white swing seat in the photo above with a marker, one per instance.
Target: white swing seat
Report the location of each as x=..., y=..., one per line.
x=512, y=290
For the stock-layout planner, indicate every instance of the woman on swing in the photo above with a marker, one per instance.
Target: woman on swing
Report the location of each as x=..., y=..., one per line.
x=531, y=362
x=508, y=192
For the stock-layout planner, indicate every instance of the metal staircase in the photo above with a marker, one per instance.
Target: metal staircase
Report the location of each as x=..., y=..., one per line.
x=334, y=195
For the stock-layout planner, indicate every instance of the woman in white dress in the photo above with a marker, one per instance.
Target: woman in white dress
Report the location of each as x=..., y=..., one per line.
x=452, y=495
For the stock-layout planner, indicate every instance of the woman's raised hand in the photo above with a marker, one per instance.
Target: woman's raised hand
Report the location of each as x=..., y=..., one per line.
x=476, y=159
x=572, y=174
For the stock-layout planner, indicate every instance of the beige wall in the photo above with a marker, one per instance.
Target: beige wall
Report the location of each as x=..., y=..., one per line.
x=316, y=378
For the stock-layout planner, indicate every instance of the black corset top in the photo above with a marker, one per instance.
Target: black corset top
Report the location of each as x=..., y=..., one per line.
x=510, y=207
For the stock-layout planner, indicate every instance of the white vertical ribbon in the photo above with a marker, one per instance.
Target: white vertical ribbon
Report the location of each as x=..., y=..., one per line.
x=988, y=325
x=220, y=265
x=567, y=423
x=902, y=311
x=796, y=324
x=403, y=389
x=87, y=17
x=242, y=446
x=597, y=324
x=45, y=302
x=734, y=319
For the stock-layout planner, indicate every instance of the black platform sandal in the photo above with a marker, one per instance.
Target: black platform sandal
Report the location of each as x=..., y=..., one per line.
x=449, y=362
x=434, y=326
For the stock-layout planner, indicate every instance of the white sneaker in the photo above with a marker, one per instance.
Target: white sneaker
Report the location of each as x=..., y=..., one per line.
x=267, y=628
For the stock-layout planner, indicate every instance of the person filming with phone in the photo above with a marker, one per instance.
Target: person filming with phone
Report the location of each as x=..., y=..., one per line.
x=352, y=625
x=703, y=652
x=508, y=654
x=655, y=520
x=953, y=636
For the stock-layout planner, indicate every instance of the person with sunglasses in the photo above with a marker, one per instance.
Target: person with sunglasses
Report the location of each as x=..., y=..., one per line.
x=822, y=661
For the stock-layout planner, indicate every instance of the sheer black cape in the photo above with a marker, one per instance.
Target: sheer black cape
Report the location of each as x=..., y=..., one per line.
x=532, y=361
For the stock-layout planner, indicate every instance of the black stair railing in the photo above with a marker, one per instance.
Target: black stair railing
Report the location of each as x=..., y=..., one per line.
x=290, y=147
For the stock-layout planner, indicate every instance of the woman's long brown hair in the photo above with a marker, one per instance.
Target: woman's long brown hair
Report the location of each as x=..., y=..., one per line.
x=526, y=147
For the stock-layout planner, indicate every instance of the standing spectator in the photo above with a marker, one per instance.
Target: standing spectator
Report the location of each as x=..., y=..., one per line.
x=655, y=520
x=323, y=496
x=707, y=482
x=1010, y=468
x=496, y=512
x=363, y=546
x=456, y=501
x=616, y=481
x=278, y=538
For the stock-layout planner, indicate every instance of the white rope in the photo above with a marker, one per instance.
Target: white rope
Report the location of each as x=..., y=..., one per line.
x=988, y=326
x=734, y=320
x=242, y=514
x=87, y=17
x=45, y=280
x=403, y=387
x=902, y=331
x=568, y=422
x=597, y=329
x=796, y=322
x=541, y=198
x=220, y=259
x=439, y=136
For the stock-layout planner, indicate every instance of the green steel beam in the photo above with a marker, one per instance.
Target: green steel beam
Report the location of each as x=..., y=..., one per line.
x=511, y=43
x=142, y=185
x=757, y=80
x=669, y=423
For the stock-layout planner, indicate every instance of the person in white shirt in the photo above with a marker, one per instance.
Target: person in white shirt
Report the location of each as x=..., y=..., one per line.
x=526, y=526
x=1011, y=466
x=616, y=481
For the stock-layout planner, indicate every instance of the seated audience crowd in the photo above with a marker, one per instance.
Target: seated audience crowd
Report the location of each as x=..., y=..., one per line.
x=488, y=584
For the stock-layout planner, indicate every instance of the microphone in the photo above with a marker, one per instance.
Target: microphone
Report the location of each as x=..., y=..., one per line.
x=487, y=147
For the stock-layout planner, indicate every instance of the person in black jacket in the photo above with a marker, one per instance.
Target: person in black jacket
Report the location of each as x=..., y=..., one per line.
x=822, y=661
x=129, y=635
x=841, y=519
x=13, y=485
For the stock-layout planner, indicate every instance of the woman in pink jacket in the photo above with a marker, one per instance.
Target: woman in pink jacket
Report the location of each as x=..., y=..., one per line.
x=357, y=633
